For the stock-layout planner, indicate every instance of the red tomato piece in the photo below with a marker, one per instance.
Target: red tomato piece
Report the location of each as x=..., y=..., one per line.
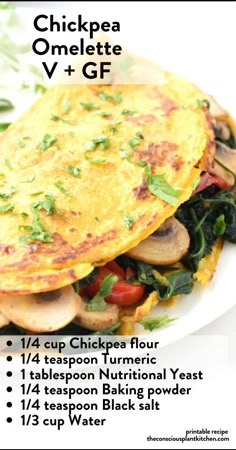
x=207, y=180
x=122, y=293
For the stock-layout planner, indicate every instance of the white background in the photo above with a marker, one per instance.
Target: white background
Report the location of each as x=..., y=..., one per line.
x=197, y=40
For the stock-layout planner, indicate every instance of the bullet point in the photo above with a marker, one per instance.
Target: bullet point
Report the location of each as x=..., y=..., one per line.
x=9, y=358
x=9, y=419
x=9, y=343
x=9, y=404
x=9, y=389
x=9, y=374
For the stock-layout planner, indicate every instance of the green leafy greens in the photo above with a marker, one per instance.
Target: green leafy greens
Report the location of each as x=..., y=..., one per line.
x=159, y=187
x=98, y=303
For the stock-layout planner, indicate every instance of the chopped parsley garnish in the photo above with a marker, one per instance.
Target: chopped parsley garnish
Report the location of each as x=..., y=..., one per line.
x=159, y=187
x=141, y=163
x=24, y=214
x=153, y=323
x=114, y=129
x=97, y=160
x=36, y=231
x=89, y=106
x=128, y=112
x=5, y=105
x=98, y=303
x=6, y=208
x=203, y=103
x=57, y=118
x=134, y=142
x=73, y=170
x=59, y=186
x=8, y=193
x=33, y=194
x=21, y=144
x=39, y=88
x=29, y=179
x=117, y=97
x=48, y=204
x=66, y=107
x=108, y=98
x=104, y=114
x=4, y=126
x=139, y=134
x=46, y=142
x=128, y=220
x=101, y=140
x=8, y=164
x=125, y=154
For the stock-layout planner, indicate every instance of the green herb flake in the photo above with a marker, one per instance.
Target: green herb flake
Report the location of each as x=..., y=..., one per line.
x=128, y=220
x=59, y=186
x=73, y=170
x=134, y=142
x=159, y=187
x=219, y=226
x=66, y=107
x=139, y=134
x=29, y=179
x=57, y=118
x=97, y=219
x=46, y=142
x=26, y=138
x=98, y=303
x=125, y=154
x=39, y=88
x=48, y=204
x=6, y=208
x=203, y=104
x=71, y=133
x=33, y=194
x=97, y=160
x=5, y=105
x=141, y=163
x=36, y=231
x=117, y=97
x=4, y=126
x=8, y=164
x=128, y=112
x=9, y=193
x=89, y=106
x=21, y=144
x=24, y=214
x=104, y=114
x=153, y=323
x=90, y=146
x=101, y=140
x=104, y=96
x=108, y=98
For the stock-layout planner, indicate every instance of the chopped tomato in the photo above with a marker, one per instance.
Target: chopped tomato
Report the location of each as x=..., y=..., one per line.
x=122, y=293
x=114, y=267
x=207, y=180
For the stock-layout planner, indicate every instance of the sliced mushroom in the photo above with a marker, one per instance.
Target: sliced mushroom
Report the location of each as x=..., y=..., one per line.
x=226, y=156
x=222, y=130
x=97, y=320
x=44, y=312
x=3, y=321
x=166, y=246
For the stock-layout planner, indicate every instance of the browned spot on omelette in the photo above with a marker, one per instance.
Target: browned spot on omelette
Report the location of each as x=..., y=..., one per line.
x=161, y=155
